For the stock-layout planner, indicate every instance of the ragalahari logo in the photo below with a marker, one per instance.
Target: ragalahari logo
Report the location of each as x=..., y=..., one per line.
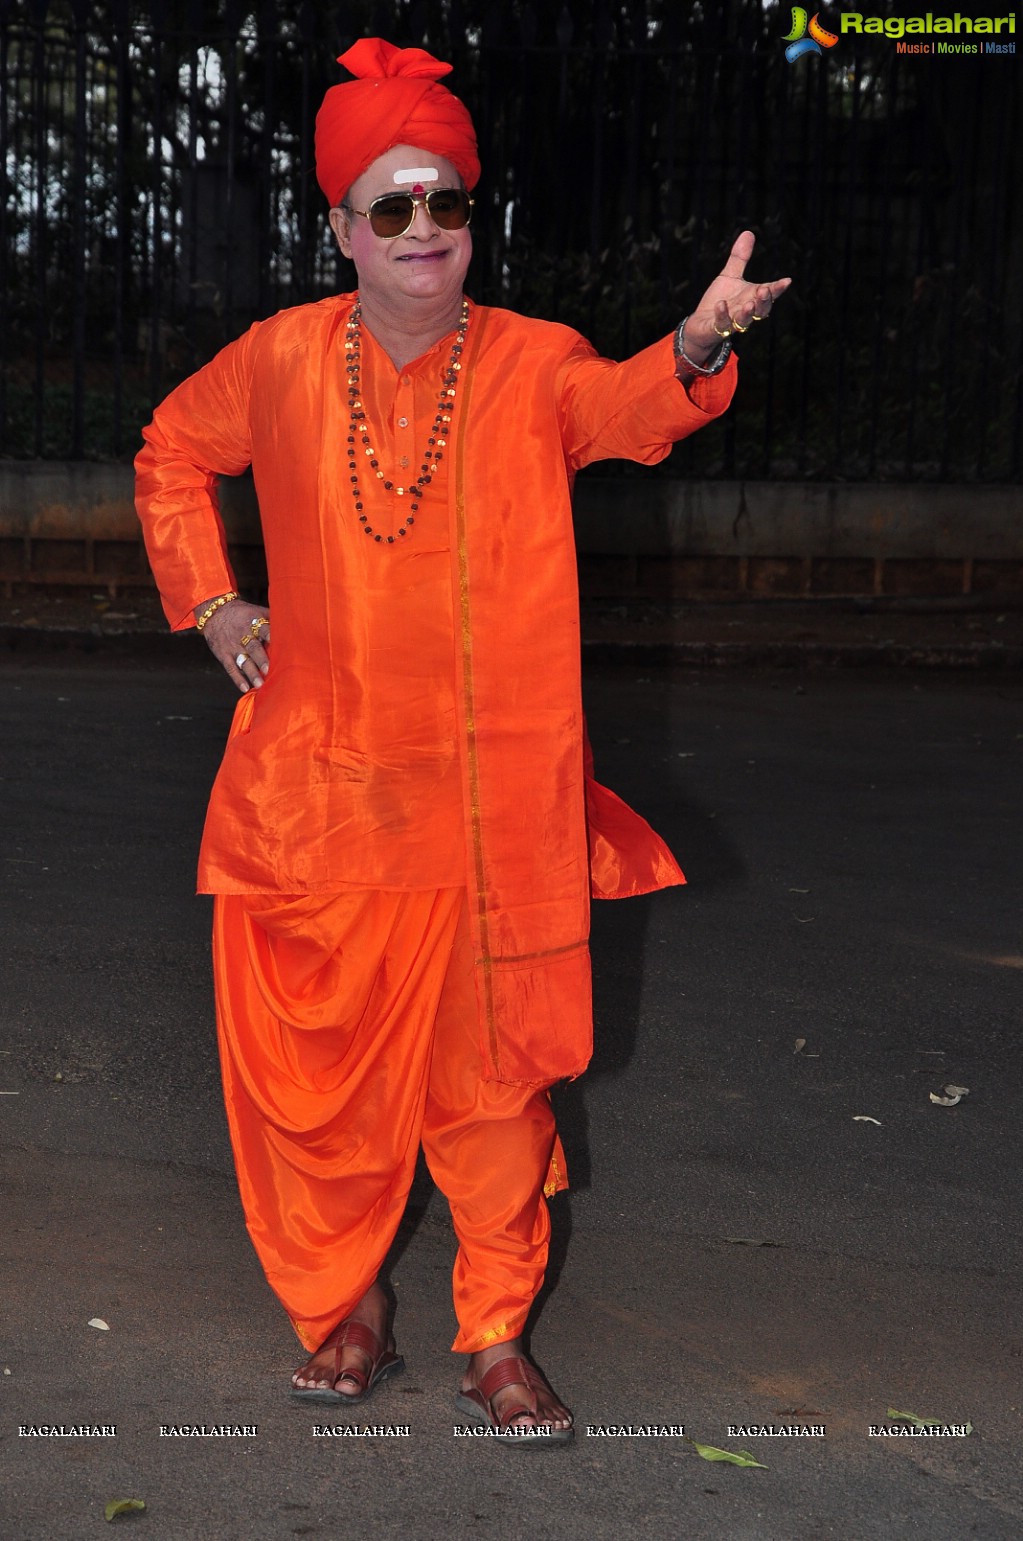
x=799, y=43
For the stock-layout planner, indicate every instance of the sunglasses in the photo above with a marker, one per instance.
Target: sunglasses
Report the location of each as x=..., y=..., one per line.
x=393, y=214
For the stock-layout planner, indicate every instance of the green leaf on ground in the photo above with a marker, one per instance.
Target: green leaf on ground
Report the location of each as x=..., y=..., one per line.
x=926, y=1423
x=733, y=1457
x=123, y=1506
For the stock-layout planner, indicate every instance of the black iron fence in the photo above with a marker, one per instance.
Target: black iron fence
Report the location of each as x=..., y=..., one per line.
x=159, y=195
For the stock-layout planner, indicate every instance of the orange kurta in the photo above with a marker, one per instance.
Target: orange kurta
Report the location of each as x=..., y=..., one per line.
x=332, y=779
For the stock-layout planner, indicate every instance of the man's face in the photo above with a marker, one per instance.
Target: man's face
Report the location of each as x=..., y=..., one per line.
x=426, y=263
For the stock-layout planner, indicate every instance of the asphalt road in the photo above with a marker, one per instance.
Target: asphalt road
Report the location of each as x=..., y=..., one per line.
x=756, y=1236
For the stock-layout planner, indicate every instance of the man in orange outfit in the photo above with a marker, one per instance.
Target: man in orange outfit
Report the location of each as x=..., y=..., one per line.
x=403, y=836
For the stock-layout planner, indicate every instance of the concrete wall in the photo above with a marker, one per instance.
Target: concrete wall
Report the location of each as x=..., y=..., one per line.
x=665, y=539
x=73, y=523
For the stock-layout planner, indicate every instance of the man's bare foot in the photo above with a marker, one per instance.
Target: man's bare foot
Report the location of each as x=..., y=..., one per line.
x=320, y=1373
x=524, y=1400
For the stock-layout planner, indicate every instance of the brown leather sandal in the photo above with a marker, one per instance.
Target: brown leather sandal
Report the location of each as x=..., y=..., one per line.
x=383, y=1361
x=477, y=1404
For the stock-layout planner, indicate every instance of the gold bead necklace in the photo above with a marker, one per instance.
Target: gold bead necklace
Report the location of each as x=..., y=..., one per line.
x=358, y=428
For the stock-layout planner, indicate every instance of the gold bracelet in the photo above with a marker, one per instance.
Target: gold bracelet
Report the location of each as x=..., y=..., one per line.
x=213, y=607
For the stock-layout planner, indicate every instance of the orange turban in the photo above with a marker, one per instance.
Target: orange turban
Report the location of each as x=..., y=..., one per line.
x=395, y=100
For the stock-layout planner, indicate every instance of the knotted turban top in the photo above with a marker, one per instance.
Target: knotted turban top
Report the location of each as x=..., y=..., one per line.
x=396, y=98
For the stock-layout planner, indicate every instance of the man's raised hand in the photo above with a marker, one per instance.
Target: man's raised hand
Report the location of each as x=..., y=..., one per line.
x=730, y=304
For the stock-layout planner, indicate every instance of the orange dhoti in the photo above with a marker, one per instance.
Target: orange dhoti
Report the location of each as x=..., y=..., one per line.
x=348, y=1029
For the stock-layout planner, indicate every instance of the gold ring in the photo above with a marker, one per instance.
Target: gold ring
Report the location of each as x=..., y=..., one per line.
x=755, y=317
x=248, y=637
x=256, y=622
x=726, y=333
x=740, y=329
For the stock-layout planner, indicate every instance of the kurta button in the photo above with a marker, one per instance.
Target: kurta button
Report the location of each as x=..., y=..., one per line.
x=403, y=422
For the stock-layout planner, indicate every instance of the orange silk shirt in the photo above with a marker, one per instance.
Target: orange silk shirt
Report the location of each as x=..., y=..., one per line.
x=421, y=725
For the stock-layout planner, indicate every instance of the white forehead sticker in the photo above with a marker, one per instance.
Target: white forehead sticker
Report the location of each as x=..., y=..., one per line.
x=417, y=174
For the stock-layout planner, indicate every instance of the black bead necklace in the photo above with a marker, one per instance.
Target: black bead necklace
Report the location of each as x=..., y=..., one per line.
x=358, y=428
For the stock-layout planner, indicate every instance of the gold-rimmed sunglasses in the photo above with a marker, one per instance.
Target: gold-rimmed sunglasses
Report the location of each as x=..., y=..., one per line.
x=393, y=213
